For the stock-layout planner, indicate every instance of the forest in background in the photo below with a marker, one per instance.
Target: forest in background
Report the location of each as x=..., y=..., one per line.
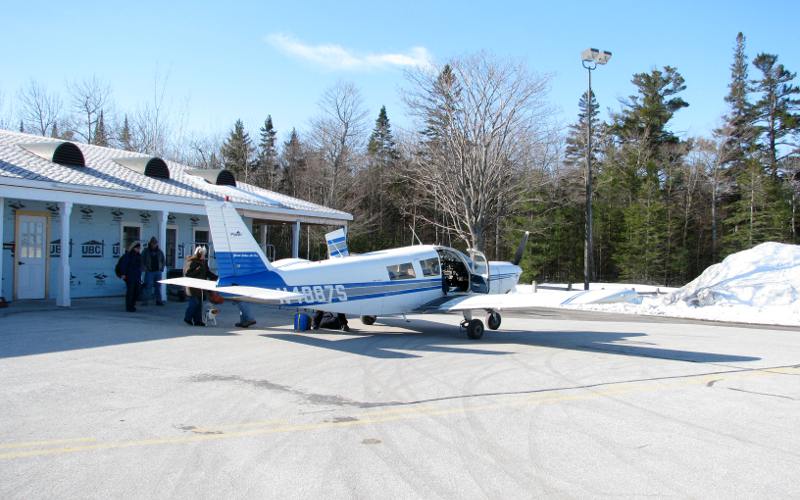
x=485, y=161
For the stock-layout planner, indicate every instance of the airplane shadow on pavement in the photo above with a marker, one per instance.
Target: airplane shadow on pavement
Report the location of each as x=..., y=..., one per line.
x=403, y=339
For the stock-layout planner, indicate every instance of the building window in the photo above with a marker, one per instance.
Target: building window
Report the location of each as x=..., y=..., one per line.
x=201, y=238
x=171, y=247
x=430, y=267
x=402, y=271
x=130, y=233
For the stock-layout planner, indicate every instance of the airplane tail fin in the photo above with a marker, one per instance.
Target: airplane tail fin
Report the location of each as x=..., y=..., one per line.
x=236, y=251
x=337, y=244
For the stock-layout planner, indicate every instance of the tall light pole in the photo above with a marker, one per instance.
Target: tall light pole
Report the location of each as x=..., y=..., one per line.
x=590, y=58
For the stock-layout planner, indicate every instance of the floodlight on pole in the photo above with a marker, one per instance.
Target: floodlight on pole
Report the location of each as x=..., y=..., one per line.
x=590, y=58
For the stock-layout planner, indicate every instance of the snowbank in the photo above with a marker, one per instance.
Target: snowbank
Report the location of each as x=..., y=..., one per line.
x=759, y=285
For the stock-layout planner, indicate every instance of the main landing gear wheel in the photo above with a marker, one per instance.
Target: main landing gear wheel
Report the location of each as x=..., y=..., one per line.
x=368, y=320
x=475, y=329
x=493, y=320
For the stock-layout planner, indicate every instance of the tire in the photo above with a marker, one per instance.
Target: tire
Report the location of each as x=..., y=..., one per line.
x=368, y=320
x=493, y=320
x=475, y=329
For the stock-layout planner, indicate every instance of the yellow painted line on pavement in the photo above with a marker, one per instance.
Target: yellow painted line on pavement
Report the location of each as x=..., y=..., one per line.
x=53, y=442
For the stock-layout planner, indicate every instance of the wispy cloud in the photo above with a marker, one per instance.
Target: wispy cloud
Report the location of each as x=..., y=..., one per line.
x=334, y=56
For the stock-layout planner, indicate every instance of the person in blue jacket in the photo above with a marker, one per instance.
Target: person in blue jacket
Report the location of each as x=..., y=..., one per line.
x=130, y=270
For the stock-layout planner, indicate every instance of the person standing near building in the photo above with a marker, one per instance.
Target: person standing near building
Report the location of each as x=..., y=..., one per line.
x=153, y=260
x=196, y=267
x=130, y=270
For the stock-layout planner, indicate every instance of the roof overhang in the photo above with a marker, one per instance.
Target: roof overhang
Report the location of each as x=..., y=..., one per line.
x=12, y=187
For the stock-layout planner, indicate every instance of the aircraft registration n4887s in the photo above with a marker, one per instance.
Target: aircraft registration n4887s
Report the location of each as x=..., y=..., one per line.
x=413, y=279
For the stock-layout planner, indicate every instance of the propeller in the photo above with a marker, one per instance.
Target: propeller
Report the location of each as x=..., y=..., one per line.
x=520, y=249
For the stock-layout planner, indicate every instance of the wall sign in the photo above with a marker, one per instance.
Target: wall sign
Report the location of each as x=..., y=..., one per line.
x=55, y=248
x=55, y=211
x=74, y=282
x=100, y=279
x=9, y=246
x=181, y=251
x=194, y=220
x=92, y=249
x=86, y=214
x=145, y=217
x=170, y=219
x=116, y=215
x=115, y=250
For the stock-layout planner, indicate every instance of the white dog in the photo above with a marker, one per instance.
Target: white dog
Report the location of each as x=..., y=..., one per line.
x=211, y=315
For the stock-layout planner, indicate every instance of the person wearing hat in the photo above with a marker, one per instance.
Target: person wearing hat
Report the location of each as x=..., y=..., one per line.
x=153, y=261
x=130, y=270
x=196, y=266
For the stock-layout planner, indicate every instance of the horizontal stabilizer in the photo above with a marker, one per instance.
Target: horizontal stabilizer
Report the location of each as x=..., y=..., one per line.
x=245, y=293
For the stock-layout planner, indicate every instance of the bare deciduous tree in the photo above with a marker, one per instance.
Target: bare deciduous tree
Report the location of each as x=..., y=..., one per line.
x=480, y=117
x=337, y=134
x=88, y=98
x=41, y=109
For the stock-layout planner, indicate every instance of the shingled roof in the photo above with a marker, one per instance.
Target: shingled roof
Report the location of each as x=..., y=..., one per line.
x=20, y=159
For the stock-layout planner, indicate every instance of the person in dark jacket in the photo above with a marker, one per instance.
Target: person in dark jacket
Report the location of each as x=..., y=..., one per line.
x=196, y=267
x=153, y=259
x=131, y=272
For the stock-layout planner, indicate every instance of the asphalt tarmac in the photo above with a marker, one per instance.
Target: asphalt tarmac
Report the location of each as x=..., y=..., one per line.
x=97, y=403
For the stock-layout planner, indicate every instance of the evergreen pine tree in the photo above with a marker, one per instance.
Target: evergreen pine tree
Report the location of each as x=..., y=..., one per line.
x=125, y=137
x=237, y=152
x=268, y=155
x=575, y=151
x=100, y=137
x=738, y=132
x=21, y=126
x=777, y=109
x=294, y=165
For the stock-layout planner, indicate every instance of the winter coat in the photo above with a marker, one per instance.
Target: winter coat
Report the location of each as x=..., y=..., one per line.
x=153, y=259
x=131, y=265
x=198, y=268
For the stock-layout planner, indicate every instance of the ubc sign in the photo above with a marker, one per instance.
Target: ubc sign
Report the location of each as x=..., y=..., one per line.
x=92, y=249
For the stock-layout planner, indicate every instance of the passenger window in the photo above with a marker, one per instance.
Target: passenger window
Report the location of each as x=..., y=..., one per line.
x=401, y=271
x=430, y=267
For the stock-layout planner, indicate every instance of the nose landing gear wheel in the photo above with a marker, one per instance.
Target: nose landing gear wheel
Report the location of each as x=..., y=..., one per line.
x=475, y=329
x=368, y=320
x=493, y=320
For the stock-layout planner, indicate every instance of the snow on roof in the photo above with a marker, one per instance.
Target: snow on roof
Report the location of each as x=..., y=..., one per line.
x=102, y=171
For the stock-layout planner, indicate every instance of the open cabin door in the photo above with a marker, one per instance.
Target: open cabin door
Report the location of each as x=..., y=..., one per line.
x=479, y=274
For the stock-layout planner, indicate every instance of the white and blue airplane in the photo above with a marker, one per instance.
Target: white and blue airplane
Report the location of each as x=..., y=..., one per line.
x=413, y=279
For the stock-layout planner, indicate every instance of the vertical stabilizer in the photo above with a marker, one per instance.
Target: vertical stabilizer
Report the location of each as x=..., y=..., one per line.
x=337, y=244
x=237, y=253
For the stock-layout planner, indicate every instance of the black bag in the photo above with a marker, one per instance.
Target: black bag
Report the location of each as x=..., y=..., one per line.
x=118, y=267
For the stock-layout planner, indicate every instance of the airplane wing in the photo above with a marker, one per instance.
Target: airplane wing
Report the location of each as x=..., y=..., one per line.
x=521, y=301
x=245, y=293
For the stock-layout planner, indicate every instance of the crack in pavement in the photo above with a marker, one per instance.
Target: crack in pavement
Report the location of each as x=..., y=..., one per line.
x=335, y=400
x=763, y=393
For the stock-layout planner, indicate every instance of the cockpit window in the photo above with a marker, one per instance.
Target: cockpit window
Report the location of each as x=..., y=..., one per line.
x=430, y=267
x=402, y=271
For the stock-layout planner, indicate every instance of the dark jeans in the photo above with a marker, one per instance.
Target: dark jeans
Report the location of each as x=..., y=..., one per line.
x=131, y=293
x=194, y=311
x=151, y=280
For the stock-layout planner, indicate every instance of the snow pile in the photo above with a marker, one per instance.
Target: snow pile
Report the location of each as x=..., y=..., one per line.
x=759, y=285
x=767, y=275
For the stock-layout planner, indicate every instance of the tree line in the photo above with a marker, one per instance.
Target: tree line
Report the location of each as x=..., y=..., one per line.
x=484, y=160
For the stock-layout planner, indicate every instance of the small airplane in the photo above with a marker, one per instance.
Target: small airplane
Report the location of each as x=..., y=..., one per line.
x=413, y=279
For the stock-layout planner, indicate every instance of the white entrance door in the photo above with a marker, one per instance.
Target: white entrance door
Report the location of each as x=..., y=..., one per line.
x=31, y=257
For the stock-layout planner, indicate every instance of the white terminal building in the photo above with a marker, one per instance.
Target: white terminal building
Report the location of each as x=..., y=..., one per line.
x=69, y=210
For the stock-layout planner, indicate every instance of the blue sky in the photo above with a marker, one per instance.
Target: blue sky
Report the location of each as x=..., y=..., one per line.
x=228, y=61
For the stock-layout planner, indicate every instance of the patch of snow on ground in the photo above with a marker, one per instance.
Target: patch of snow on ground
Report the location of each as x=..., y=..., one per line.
x=759, y=285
